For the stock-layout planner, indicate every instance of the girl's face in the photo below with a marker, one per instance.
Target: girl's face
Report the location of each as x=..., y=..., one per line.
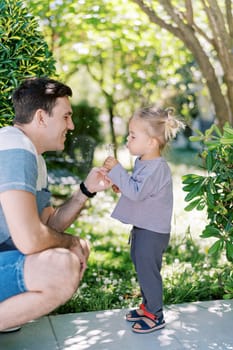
x=139, y=142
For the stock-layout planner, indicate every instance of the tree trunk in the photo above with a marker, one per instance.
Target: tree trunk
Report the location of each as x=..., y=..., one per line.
x=183, y=26
x=111, y=123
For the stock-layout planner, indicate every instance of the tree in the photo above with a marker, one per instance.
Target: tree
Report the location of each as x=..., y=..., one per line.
x=122, y=55
x=206, y=29
x=23, y=53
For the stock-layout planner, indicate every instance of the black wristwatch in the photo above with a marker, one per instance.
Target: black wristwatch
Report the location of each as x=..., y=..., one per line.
x=85, y=191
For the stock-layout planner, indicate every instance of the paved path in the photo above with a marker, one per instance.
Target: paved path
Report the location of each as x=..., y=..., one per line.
x=200, y=325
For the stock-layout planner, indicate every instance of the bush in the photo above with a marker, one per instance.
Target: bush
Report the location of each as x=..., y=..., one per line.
x=23, y=53
x=86, y=122
x=214, y=191
x=80, y=143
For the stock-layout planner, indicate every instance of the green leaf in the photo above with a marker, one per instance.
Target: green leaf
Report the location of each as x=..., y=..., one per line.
x=215, y=247
x=201, y=205
x=217, y=130
x=210, y=231
x=226, y=141
x=212, y=144
x=197, y=131
x=196, y=191
x=209, y=161
x=229, y=250
x=190, y=178
x=192, y=205
x=228, y=130
x=188, y=187
x=196, y=138
x=227, y=296
x=210, y=197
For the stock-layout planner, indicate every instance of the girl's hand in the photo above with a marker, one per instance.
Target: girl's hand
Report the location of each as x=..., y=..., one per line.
x=110, y=162
x=116, y=189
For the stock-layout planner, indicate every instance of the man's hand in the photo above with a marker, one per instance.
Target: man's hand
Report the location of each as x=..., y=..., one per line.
x=97, y=180
x=77, y=249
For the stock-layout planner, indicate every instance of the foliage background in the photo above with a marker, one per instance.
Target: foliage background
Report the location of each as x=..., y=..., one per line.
x=23, y=53
x=119, y=60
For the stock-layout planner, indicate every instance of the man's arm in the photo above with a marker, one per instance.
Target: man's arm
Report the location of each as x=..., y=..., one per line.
x=61, y=218
x=29, y=234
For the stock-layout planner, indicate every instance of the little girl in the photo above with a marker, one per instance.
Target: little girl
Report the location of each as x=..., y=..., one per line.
x=146, y=203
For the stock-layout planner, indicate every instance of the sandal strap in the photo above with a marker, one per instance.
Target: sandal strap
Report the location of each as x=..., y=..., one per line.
x=142, y=324
x=150, y=315
x=142, y=307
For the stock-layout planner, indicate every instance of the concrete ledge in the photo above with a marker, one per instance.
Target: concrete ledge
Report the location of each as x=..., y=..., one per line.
x=199, y=325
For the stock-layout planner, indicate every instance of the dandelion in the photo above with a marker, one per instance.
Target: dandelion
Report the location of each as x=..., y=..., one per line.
x=107, y=281
x=110, y=149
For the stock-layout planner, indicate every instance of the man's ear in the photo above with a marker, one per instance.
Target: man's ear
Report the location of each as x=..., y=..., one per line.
x=41, y=118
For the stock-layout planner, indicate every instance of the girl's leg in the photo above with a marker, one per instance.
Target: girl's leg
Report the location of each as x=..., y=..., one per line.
x=134, y=315
x=133, y=257
x=149, y=247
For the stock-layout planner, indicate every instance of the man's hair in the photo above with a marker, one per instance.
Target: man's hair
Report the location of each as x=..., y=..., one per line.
x=34, y=94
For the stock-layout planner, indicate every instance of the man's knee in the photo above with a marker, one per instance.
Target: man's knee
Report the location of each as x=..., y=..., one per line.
x=86, y=247
x=69, y=267
x=55, y=271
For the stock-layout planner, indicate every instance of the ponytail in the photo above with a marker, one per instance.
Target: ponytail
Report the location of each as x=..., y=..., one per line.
x=172, y=125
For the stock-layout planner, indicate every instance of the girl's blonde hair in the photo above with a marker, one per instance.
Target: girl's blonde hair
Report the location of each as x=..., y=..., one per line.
x=162, y=123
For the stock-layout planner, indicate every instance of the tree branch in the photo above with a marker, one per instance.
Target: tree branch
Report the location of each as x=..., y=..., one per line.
x=228, y=5
x=189, y=12
x=157, y=20
x=217, y=23
x=189, y=18
x=188, y=35
x=222, y=38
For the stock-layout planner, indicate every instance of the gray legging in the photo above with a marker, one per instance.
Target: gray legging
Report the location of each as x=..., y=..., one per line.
x=147, y=248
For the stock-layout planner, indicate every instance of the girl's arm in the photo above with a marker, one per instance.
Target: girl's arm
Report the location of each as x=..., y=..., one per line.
x=135, y=186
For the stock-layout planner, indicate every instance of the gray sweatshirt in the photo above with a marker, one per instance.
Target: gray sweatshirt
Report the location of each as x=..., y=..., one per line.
x=146, y=196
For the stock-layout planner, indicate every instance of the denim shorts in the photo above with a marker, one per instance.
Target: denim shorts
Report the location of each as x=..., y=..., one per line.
x=11, y=274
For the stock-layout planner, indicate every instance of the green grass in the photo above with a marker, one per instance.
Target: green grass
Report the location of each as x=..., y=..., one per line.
x=189, y=272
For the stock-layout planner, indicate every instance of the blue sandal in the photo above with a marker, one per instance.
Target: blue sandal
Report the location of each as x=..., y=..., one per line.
x=145, y=327
x=133, y=315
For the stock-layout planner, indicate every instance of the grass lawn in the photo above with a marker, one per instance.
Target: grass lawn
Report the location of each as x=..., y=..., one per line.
x=189, y=272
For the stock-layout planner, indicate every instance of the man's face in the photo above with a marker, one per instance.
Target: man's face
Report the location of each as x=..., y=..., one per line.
x=59, y=122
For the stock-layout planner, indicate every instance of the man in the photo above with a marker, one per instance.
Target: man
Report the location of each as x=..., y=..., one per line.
x=40, y=265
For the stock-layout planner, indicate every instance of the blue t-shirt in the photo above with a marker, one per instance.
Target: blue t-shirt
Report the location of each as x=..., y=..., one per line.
x=21, y=168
